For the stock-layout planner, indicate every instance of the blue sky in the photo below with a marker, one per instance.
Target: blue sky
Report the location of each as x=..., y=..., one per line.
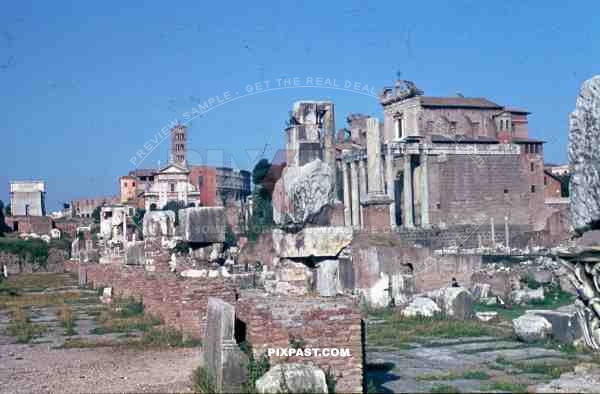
x=83, y=85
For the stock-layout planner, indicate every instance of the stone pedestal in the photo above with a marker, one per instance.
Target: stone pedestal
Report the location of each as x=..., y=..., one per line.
x=337, y=214
x=376, y=213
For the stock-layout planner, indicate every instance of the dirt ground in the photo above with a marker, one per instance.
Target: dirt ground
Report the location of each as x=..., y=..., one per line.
x=38, y=368
x=43, y=363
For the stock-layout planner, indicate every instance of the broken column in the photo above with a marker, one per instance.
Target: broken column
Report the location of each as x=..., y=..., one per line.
x=377, y=204
x=224, y=360
x=347, y=192
x=355, y=194
x=407, y=191
x=424, y=189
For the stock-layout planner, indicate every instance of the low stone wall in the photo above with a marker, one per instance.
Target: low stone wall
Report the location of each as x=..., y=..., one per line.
x=316, y=322
x=180, y=302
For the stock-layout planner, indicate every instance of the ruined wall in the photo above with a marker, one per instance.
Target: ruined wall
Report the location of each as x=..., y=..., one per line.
x=30, y=224
x=429, y=271
x=54, y=263
x=180, y=302
x=552, y=187
x=273, y=322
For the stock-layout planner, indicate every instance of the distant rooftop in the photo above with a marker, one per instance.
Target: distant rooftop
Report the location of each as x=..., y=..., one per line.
x=458, y=102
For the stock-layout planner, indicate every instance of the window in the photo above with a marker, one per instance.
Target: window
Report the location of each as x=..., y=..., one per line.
x=125, y=183
x=399, y=120
x=505, y=191
x=532, y=166
x=452, y=128
x=172, y=185
x=545, y=181
x=133, y=184
x=533, y=188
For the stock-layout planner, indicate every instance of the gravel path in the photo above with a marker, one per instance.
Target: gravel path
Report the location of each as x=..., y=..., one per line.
x=38, y=368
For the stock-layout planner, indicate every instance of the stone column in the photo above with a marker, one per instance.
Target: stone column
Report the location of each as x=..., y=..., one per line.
x=389, y=173
x=355, y=194
x=363, y=185
x=424, y=190
x=507, y=233
x=374, y=156
x=407, y=191
x=124, y=228
x=347, y=212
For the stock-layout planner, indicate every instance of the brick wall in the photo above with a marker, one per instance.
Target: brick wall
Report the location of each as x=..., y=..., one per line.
x=30, y=224
x=461, y=191
x=180, y=302
x=272, y=322
x=208, y=187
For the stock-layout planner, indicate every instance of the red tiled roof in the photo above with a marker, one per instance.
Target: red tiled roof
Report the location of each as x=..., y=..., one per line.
x=458, y=102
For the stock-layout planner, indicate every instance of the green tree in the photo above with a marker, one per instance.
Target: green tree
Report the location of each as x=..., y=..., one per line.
x=96, y=214
x=260, y=171
x=565, y=180
x=138, y=218
x=262, y=211
x=8, y=210
x=3, y=227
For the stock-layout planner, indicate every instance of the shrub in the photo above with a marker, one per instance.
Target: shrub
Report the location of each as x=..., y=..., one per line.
x=256, y=368
x=203, y=381
x=65, y=315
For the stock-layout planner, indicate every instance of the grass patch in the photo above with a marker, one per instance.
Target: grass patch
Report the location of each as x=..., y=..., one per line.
x=167, y=337
x=438, y=376
x=21, y=327
x=203, y=381
x=398, y=330
x=108, y=324
x=36, y=281
x=444, y=388
x=87, y=343
x=508, y=387
x=554, y=298
x=125, y=316
x=475, y=375
x=41, y=299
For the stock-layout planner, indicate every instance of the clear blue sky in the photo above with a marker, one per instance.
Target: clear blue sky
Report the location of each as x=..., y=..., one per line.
x=83, y=85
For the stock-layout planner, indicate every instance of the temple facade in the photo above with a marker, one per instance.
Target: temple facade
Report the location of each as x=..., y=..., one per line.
x=432, y=162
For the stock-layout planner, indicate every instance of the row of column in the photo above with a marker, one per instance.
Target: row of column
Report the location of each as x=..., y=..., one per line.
x=407, y=188
x=355, y=187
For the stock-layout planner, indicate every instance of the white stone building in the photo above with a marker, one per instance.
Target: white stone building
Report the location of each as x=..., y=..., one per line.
x=27, y=198
x=171, y=183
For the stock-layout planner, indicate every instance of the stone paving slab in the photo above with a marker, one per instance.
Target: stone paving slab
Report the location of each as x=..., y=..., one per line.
x=521, y=354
